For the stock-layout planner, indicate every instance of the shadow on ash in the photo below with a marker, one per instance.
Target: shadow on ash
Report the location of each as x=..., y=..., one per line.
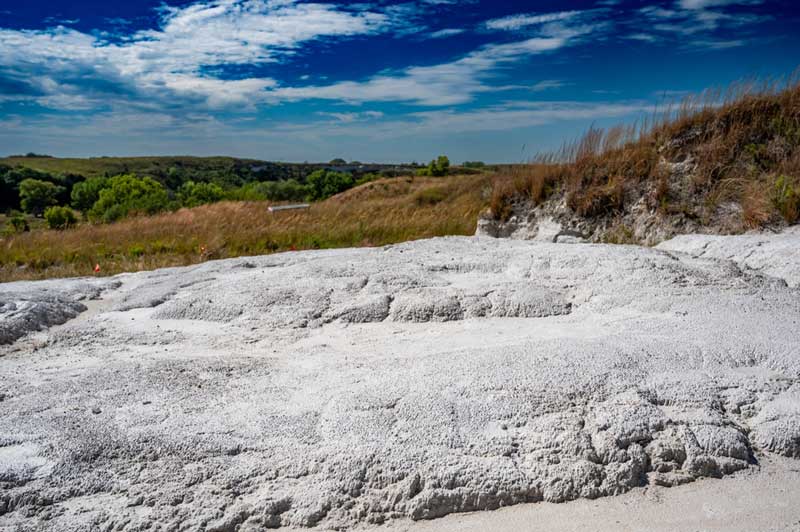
x=346, y=387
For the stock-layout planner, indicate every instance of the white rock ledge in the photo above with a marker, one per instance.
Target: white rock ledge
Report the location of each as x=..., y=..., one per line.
x=351, y=386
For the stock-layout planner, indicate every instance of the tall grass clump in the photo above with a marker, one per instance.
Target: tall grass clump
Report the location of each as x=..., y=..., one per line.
x=741, y=143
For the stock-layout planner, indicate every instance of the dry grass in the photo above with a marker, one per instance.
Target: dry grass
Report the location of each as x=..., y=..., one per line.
x=741, y=141
x=531, y=182
x=378, y=213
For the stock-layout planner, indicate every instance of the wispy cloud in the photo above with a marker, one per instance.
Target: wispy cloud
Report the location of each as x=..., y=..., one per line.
x=524, y=114
x=548, y=84
x=450, y=83
x=447, y=32
x=165, y=133
x=700, y=24
x=520, y=21
x=349, y=118
x=702, y=4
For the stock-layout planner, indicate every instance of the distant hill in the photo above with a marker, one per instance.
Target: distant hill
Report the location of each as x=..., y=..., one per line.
x=159, y=167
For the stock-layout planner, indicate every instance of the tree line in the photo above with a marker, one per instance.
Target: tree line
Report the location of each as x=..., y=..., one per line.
x=63, y=199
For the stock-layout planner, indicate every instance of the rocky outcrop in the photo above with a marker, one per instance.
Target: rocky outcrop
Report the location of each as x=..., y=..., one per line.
x=344, y=387
x=641, y=219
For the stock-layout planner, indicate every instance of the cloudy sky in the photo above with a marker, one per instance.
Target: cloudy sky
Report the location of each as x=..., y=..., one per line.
x=375, y=80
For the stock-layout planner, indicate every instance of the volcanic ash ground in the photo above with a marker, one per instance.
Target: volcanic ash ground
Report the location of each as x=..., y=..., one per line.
x=347, y=387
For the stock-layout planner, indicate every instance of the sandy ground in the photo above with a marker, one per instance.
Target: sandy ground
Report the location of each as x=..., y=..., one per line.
x=727, y=505
x=389, y=387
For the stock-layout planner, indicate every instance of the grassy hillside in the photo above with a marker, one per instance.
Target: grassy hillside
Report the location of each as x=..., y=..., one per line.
x=377, y=213
x=720, y=162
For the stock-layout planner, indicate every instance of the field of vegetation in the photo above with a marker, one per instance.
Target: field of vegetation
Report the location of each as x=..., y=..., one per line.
x=732, y=152
x=737, y=148
x=379, y=212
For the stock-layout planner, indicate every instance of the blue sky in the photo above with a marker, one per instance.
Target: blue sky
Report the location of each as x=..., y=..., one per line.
x=374, y=80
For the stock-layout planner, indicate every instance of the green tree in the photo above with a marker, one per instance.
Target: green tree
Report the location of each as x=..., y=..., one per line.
x=324, y=184
x=35, y=195
x=16, y=223
x=338, y=161
x=60, y=217
x=86, y=193
x=127, y=194
x=439, y=166
x=288, y=190
x=192, y=194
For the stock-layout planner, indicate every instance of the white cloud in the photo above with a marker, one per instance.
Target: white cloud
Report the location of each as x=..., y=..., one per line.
x=522, y=115
x=518, y=22
x=444, y=84
x=182, y=62
x=163, y=133
x=60, y=63
x=179, y=63
x=702, y=4
x=644, y=37
x=699, y=24
x=349, y=118
x=718, y=44
x=448, y=32
x=548, y=84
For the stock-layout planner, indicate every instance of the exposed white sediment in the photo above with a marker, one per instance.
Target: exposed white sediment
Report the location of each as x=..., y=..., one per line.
x=347, y=387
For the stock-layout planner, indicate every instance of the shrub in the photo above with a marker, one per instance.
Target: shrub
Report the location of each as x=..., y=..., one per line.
x=128, y=194
x=324, y=184
x=437, y=167
x=17, y=223
x=430, y=196
x=86, y=193
x=192, y=194
x=289, y=190
x=60, y=217
x=35, y=195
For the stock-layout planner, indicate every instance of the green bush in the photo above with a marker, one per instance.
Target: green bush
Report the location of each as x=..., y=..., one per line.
x=127, y=194
x=430, y=196
x=325, y=183
x=86, y=193
x=136, y=251
x=289, y=190
x=60, y=217
x=437, y=167
x=35, y=195
x=17, y=223
x=787, y=198
x=192, y=194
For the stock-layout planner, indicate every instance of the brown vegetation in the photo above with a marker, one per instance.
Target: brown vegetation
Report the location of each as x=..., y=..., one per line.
x=377, y=213
x=742, y=147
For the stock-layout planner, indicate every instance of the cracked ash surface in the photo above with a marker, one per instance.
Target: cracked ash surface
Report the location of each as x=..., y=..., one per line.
x=345, y=387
